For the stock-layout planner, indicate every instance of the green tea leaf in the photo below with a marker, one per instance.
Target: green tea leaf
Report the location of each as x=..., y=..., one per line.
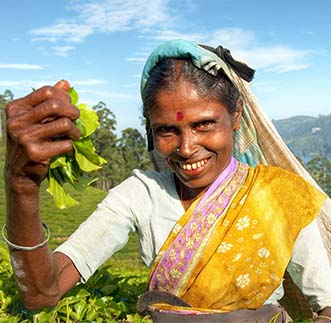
x=74, y=96
x=86, y=157
x=89, y=119
x=70, y=169
x=61, y=198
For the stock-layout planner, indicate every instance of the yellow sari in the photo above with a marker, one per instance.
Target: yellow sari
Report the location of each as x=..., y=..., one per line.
x=232, y=250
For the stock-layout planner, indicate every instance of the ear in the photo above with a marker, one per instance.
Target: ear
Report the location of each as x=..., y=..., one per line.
x=236, y=117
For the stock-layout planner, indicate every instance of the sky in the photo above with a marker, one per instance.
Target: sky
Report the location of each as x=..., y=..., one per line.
x=100, y=46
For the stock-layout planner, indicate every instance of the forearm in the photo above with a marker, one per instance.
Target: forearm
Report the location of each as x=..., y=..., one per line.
x=33, y=124
x=36, y=270
x=324, y=316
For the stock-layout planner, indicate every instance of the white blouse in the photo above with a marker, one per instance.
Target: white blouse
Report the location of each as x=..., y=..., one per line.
x=147, y=202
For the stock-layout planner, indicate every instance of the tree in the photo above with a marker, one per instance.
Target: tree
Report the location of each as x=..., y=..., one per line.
x=105, y=142
x=133, y=148
x=123, y=154
x=5, y=98
x=320, y=169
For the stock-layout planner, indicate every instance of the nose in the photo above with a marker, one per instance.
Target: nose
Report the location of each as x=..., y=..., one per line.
x=187, y=144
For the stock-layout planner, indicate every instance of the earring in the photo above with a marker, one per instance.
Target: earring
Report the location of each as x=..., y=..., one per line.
x=236, y=128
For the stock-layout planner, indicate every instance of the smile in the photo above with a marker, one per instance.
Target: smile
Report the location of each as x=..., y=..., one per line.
x=196, y=165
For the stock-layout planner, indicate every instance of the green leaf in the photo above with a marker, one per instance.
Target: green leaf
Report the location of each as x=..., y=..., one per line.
x=61, y=198
x=70, y=169
x=86, y=157
x=88, y=118
x=73, y=95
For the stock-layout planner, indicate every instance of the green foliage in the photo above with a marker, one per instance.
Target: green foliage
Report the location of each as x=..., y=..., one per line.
x=306, y=136
x=123, y=154
x=105, y=141
x=111, y=293
x=320, y=170
x=133, y=148
x=106, y=297
x=70, y=168
x=6, y=97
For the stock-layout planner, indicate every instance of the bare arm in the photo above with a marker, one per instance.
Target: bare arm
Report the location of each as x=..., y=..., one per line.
x=324, y=316
x=33, y=122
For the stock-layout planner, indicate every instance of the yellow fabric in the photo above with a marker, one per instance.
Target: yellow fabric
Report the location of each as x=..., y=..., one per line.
x=251, y=244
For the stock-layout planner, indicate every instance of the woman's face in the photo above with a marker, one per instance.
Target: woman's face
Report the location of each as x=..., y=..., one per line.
x=192, y=134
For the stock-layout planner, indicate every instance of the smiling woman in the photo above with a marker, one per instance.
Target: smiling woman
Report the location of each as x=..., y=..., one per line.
x=219, y=227
x=198, y=146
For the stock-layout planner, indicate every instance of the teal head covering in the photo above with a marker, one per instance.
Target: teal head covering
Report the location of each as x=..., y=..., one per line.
x=212, y=61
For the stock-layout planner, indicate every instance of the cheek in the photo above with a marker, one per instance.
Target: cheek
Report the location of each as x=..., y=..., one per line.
x=165, y=146
x=220, y=141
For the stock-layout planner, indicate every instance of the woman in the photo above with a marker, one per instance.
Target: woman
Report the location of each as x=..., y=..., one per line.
x=217, y=257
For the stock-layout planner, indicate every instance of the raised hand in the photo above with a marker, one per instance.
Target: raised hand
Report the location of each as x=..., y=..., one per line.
x=39, y=126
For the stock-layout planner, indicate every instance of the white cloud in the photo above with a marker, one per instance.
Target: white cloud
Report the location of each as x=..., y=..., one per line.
x=276, y=58
x=245, y=46
x=155, y=20
x=27, y=85
x=21, y=66
x=62, y=51
x=104, y=16
x=232, y=38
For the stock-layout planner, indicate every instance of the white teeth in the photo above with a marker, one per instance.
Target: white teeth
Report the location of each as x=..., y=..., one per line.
x=194, y=165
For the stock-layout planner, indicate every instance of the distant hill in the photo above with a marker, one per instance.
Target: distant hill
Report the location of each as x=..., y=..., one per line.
x=306, y=136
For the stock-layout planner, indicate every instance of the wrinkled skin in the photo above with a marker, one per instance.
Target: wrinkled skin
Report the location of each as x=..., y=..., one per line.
x=39, y=127
x=33, y=123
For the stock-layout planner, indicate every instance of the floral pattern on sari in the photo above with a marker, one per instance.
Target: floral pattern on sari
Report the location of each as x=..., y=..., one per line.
x=223, y=255
x=186, y=247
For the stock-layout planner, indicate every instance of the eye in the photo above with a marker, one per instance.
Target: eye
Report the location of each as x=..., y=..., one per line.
x=165, y=131
x=205, y=125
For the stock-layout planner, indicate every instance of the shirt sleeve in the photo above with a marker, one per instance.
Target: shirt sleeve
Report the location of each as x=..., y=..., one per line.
x=310, y=268
x=107, y=229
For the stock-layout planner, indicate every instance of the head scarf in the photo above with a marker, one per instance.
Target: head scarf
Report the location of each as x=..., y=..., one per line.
x=257, y=141
x=212, y=61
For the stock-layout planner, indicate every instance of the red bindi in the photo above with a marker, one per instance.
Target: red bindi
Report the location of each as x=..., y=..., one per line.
x=180, y=116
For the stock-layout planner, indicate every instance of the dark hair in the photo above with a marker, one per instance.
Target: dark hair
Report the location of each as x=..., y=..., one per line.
x=164, y=75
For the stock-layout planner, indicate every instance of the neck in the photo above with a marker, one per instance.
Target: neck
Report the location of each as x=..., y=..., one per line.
x=186, y=194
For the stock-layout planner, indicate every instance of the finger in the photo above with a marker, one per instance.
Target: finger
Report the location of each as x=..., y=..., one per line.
x=63, y=84
x=33, y=99
x=44, y=112
x=58, y=128
x=45, y=151
x=52, y=109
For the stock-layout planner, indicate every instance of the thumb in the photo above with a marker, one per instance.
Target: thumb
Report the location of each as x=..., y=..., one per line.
x=64, y=85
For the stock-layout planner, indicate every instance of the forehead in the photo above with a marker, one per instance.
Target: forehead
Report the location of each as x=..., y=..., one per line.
x=183, y=103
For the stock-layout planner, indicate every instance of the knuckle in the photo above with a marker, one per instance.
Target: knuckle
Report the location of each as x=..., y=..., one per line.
x=12, y=107
x=9, y=108
x=55, y=105
x=11, y=126
x=48, y=91
x=24, y=139
x=66, y=124
x=33, y=152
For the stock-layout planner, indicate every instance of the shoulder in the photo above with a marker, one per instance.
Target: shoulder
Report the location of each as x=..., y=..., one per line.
x=277, y=174
x=285, y=183
x=142, y=183
x=151, y=177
